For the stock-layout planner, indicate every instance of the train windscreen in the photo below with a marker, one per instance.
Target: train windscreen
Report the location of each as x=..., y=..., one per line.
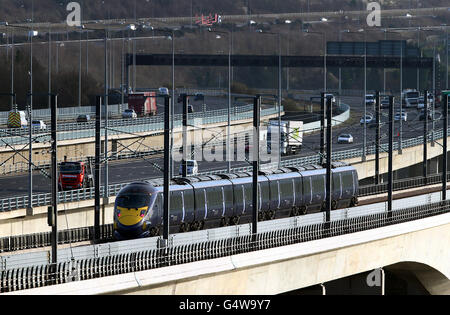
x=133, y=200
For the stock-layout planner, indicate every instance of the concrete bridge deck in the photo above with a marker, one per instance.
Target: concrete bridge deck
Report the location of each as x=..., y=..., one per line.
x=420, y=246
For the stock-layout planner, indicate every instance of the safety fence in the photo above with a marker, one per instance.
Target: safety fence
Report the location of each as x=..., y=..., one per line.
x=21, y=202
x=83, y=269
x=71, y=131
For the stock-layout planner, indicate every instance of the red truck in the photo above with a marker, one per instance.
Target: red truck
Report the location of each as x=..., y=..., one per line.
x=74, y=175
x=144, y=104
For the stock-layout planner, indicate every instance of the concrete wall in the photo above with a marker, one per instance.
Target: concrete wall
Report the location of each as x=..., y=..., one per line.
x=410, y=156
x=80, y=148
x=70, y=216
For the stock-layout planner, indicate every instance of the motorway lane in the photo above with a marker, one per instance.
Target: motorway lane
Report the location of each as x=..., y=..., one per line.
x=119, y=172
x=131, y=170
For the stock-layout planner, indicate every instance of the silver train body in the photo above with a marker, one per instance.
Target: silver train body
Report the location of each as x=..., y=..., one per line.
x=202, y=202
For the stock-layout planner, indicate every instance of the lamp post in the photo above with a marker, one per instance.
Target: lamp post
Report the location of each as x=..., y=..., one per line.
x=307, y=31
x=31, y=34
x=105, y=99
x=279, y=92
x=171, y=36
x=365, y=89
x=228, y=153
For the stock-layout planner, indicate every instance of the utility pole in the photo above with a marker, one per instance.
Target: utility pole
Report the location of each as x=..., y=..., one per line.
x=54, y=209
x=97, y=168
x=167, y=168
x=425, y=136
x=30, y=157
x=444, y=154
x=391, y=153
x=105, y=99
x=255, y=200
x=377, y=140
x=323, y=101
x=329, y=148
x=49, y=61
x=185, y=123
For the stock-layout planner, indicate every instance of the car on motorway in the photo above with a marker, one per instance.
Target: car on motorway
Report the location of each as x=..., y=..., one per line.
x=421, y=103
x=403, y=116
x=345, y=138
x=83, y=118
x=39, y=124
x=129, y=113
x=384, y=102
x=163, y=91
x=199, y=97
x=370, y=99
x=368, y=119
x=192, y=167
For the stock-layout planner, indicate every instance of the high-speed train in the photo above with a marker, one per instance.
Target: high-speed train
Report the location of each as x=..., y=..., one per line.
x=202, y=202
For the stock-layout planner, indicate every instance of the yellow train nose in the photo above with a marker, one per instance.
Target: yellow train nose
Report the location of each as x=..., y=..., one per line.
x=131, y=216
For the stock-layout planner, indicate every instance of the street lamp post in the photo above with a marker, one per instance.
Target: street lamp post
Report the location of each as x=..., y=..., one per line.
x=171, y=36
x=105, y=101
x=279, y=93
x=365, y=90
x=228, y=153
x=31, y=34
x=307, y=31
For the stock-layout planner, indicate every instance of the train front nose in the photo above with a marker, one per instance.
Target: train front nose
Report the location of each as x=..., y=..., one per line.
x=130, y=220
x=130, y=217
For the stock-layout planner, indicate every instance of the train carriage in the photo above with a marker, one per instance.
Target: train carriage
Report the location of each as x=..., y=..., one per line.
x=201, y=202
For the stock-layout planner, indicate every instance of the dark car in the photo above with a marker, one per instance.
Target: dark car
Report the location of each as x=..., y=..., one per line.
x=83, y=118
x=199, y=97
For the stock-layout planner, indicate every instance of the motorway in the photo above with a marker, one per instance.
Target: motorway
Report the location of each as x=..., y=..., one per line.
x=140, y=169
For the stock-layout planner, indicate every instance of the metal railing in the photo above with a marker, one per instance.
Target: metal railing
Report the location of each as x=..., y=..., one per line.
x=114, y=264
x=14, y=203
x=147, y=124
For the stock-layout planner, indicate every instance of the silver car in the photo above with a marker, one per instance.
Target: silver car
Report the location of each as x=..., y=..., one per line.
x=345, y=138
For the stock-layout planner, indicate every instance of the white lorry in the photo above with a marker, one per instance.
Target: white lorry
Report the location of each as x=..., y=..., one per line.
x=410, y=98
x=291, y=136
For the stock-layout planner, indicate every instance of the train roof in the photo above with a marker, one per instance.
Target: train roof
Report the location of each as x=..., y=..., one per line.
x=241, y=177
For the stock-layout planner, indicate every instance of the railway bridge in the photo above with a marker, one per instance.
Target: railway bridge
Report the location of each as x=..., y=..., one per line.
x=420, y=247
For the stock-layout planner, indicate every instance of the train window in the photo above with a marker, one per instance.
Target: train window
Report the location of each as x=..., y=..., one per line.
x=248, y=197
x=239, y=198
x=133, y=200
x=176, y=201
x=215, y=198
x=286, y=188
x=158, y=205
x=307, y=187
x=228, y=193
x=265, y=195
x=347, y=181
x=286, y=191
x=189, y=200
x=336, y=185
x=318, y=183
x=274, y=194
x=200, y=198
